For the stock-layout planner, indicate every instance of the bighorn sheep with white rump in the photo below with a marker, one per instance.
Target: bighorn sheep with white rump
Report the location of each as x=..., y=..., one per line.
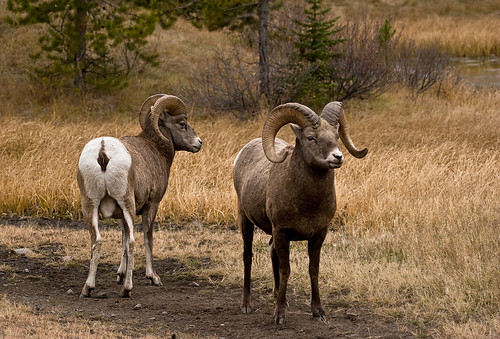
x=123, y=177
x=288, y=191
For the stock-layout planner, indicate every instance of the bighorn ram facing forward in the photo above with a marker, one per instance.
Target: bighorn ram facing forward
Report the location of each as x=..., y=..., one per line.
x=288, y=191
x=123, y=177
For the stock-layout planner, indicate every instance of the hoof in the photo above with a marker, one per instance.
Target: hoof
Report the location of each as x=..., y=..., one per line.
x=279, y=316
x=86, y=292
x=155, y=281
x=246, y=309
x=126, y=293
x=318, y=317
x=318, y=313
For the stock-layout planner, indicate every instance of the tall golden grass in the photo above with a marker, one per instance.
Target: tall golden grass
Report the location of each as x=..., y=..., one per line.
x=475, y=37
x=418, y=220
x=413, y=10
x=461, y=28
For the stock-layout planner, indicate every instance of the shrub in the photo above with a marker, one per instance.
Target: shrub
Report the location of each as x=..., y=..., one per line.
x=363, y=67
x=229, y=83
x=372, y=58
x=419, y=68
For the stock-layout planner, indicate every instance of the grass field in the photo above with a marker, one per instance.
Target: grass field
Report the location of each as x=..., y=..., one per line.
x=461, y=28
x=418, y=220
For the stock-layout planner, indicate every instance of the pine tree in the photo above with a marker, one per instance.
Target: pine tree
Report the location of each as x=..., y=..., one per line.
x=86, y=41
x=314, y=44
x=315, y=37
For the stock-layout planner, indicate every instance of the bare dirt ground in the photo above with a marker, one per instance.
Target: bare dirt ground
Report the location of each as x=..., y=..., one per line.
x=187, y=305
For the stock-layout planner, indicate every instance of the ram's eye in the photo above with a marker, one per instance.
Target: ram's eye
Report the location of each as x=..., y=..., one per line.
x=311, y=138
x=182, y=124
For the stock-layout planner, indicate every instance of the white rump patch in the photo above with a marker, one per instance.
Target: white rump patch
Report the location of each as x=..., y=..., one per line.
x=114, y=180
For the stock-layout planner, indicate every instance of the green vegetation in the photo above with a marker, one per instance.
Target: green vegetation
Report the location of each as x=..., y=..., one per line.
x=316, y=39
x=86, y=41
x=100, y=43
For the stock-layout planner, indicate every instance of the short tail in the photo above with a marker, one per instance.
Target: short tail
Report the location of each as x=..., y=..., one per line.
x=102, y=158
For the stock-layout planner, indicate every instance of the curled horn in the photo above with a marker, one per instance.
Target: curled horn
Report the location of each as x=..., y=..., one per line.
x=169, y=104
x=279, y=117
x=334, y=114
x=144, y=112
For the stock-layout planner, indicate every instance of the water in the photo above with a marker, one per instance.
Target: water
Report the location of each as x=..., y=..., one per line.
x=480, y=72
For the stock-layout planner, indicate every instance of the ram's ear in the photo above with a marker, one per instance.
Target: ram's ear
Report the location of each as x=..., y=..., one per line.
x=296, y=130
x=163, y=117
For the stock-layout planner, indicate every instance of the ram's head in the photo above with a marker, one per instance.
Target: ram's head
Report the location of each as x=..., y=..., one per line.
x=166, y=115
x=316, y=135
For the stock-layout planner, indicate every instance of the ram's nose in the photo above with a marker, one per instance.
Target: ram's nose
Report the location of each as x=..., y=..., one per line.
x=196, y=145
x=335, y=159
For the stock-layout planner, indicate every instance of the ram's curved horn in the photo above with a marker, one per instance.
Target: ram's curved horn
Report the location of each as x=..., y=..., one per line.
x=146, y=108
x=279, y=117
x=334, y=114
x=169, y=104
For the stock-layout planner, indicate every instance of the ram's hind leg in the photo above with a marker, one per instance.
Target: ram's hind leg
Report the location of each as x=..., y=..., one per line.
x=120, y=274
x=247, y=230
x=128, y=211
x=148, y=217
x=91, y=215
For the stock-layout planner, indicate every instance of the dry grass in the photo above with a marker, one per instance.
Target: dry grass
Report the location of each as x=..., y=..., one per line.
x=412, y=10
x=461, y=28
x=417, y=220
x=477, y=37
x=40, y=159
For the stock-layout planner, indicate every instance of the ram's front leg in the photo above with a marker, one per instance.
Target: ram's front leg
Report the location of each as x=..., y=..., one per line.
x=276, y=267
x=247, y=232
x=314, y=249
x=282, y=247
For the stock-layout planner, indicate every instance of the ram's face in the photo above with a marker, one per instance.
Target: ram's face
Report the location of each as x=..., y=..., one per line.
x=183, y=135
x=320, y=146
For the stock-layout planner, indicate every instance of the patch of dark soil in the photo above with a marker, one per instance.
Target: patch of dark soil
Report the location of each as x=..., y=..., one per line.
x=184, y=304
x=17, y=220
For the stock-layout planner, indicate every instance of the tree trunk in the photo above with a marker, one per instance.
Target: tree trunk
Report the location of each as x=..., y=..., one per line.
x=81, y=45
x=263, y=48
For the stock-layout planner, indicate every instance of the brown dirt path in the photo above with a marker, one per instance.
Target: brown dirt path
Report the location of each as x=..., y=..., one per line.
x=187, y=305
